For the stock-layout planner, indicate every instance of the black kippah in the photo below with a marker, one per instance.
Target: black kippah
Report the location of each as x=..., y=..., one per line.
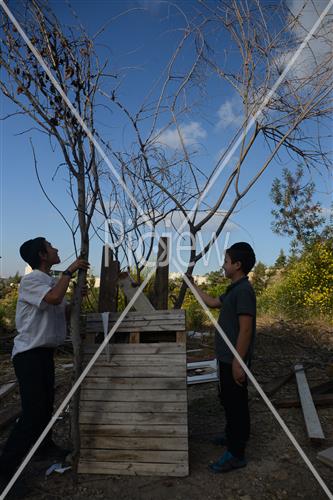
x=30, y=249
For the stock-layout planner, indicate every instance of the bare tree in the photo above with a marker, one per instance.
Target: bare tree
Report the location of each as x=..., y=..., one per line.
x=284, y=109
x=72, y=61
x=71, y=58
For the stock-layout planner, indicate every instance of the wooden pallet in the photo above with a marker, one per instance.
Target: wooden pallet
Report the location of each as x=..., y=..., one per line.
x=133, y=416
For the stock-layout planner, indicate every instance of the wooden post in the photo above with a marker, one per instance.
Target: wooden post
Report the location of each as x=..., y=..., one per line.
x=108, y=290
x=108, y=287
x=161, y=286
x=311, y=418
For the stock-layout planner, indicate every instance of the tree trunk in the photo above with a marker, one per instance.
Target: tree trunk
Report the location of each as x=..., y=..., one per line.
x=76, y=323
x=161, y=285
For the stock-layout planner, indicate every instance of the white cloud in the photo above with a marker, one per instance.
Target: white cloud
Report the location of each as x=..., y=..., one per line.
x=152, y=6
x=304, y=14
x=230, y=113
x=177, y=218
x=190, y=133
x=327, y=212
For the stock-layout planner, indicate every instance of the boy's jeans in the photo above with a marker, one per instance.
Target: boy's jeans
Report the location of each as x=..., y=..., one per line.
x=35, y=373
x=235, y=401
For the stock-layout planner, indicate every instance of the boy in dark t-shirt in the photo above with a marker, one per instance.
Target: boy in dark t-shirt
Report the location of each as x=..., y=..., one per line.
x=238, y=321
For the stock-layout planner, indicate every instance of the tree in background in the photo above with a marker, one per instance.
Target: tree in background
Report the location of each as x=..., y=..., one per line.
x=281, y=260
x=296, y=214
x=260, y=277
x=8, y=298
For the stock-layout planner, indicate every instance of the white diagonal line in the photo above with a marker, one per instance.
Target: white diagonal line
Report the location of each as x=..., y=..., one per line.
x=69, y=104
x=258, y=388
x=100, y=150
x=260, y=109
x=75, y=387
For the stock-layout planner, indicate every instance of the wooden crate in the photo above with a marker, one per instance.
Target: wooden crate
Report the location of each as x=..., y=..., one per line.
x=133, y=416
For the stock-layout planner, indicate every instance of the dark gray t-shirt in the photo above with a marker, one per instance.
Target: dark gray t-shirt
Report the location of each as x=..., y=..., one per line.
x=238, y=299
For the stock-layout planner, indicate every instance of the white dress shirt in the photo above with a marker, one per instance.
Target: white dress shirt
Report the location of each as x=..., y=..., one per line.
x=38, y=324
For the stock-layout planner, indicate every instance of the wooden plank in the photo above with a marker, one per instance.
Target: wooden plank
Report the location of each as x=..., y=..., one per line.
x=161, y=284
x=140, y=359
x=152, y=456
x=311, y=419
x=8, y=388
x=161, y=348
x=138, y=371
x=145, y=383
x=320, y=400
x=323, y=388
x=88, y=341
x=89, y=417
x=134, y=406
x=134, y=338
x=274, y=385
x=173, y=320
x=181, y=337
x=108, y=289
x=168, y=314
x=130, y=289
x=132, y=395
x=134, y=430
x=133, y=469
x=326, y=456
x=135, y=443
x=146, y=326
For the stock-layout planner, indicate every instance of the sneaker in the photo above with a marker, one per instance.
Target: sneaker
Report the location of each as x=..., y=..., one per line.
x=51, y=450
x=220, y=440
x=227, y=462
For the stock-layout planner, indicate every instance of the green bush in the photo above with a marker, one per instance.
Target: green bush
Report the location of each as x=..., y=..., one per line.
x=304, y=288
x=196, y=317
x=8, y=307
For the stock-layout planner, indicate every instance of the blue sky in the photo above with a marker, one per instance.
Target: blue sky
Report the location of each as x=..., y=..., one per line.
x=141, y=41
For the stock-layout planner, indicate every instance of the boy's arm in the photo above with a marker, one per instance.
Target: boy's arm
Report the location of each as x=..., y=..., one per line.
x=212, y=302
x=242, y=346
x=57, y=293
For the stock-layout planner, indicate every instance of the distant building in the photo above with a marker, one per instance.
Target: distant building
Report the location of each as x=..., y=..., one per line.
x=200, y=280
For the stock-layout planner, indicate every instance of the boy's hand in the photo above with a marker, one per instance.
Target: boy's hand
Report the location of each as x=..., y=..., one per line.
x=238, y=373
x=78, y=264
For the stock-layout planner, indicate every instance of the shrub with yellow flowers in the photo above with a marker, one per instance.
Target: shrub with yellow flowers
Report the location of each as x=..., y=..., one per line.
x=305, y=288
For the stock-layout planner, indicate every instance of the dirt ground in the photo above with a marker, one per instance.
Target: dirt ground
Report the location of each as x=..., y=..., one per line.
x=275, y=470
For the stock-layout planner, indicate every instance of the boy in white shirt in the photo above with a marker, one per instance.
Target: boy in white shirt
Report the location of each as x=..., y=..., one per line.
x=41, y=327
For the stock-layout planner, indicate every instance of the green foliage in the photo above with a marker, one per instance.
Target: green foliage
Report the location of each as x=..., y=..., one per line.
x=8, y=300
x=281, y=260
x=196, y=318
x=304, y=288
x=296, y=214
x=260, y=278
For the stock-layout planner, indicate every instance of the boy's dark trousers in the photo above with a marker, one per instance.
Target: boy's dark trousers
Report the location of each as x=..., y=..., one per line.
x=235, y=401
x=35, y=373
